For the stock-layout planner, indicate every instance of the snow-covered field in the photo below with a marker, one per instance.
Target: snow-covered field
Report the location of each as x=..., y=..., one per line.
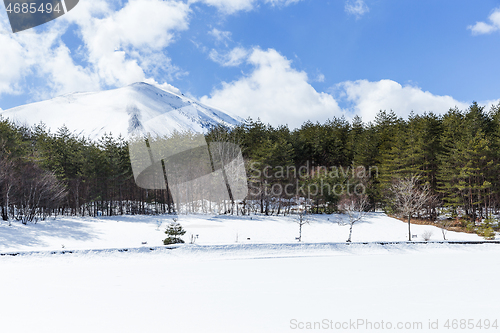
x=267, y=283
x=132, y=231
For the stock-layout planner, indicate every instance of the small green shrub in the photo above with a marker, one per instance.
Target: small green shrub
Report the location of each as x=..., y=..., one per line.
x=470, y=226
x=172, y=240
x=489, y=222
x=489, y=233
x=493, y=223
x=174, y=231
x=465, y=222
x=486, y=229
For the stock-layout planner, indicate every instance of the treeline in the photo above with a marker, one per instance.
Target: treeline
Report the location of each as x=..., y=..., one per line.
x=457, y=154
x=44, y=174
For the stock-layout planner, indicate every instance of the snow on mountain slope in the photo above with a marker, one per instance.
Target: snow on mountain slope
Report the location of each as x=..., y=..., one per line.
x=134, y=109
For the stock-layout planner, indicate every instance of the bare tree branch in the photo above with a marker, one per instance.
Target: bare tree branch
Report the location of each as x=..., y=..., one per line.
x=355, y=207
x=409, y=197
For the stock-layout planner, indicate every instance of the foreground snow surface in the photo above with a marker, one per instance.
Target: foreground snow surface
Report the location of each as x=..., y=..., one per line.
x=249, y=288
x=268, y=283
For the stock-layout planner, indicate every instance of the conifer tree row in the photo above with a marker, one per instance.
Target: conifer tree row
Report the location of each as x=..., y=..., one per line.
x=456, y=154
x=89, y=178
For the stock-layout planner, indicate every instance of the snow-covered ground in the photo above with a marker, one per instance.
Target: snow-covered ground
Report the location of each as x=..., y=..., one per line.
x=269, y=283
x=132, y=231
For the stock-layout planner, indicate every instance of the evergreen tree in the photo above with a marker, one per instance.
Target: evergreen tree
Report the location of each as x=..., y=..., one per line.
x=174, y=231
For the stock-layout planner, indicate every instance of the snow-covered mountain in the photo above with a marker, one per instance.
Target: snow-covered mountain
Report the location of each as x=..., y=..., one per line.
x=134, y=109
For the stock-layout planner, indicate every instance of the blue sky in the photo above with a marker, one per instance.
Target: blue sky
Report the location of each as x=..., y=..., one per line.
x=285, y=61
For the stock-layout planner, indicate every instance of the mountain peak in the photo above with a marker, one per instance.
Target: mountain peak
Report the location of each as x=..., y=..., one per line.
x=135, y=109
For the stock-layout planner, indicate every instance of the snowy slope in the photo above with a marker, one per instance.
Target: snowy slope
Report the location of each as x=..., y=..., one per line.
x=131, y=231
x=134, y=109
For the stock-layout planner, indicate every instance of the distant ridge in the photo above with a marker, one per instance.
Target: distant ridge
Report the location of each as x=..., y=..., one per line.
x=134, y=109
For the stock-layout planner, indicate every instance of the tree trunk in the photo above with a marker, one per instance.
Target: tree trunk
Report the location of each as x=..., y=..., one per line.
x=300, y=230
x=409, y=230
x=350, y=233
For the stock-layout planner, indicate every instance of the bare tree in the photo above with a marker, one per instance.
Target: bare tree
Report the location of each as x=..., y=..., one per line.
x=6, y=186
x=355, y=207
x=37, y=191
x=301, y=220
x=444, y=225
x=409, y=197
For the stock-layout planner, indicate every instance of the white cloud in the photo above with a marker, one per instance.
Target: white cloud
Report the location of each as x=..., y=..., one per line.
x=367, y=98
x=164, y=86
x=281, y=2
x=123, y=42
x=274, y=92
x=141, y=23
x=278, y=94
x=65, y=76
x=356, y=7
x=120, y=42
x=233, y=6
x=229, y=6
x=233, y=58
x=121, y=46
x=43, y=55
x=481, y=28
x=13, y=55
x=320, y=78
x=220, y=36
